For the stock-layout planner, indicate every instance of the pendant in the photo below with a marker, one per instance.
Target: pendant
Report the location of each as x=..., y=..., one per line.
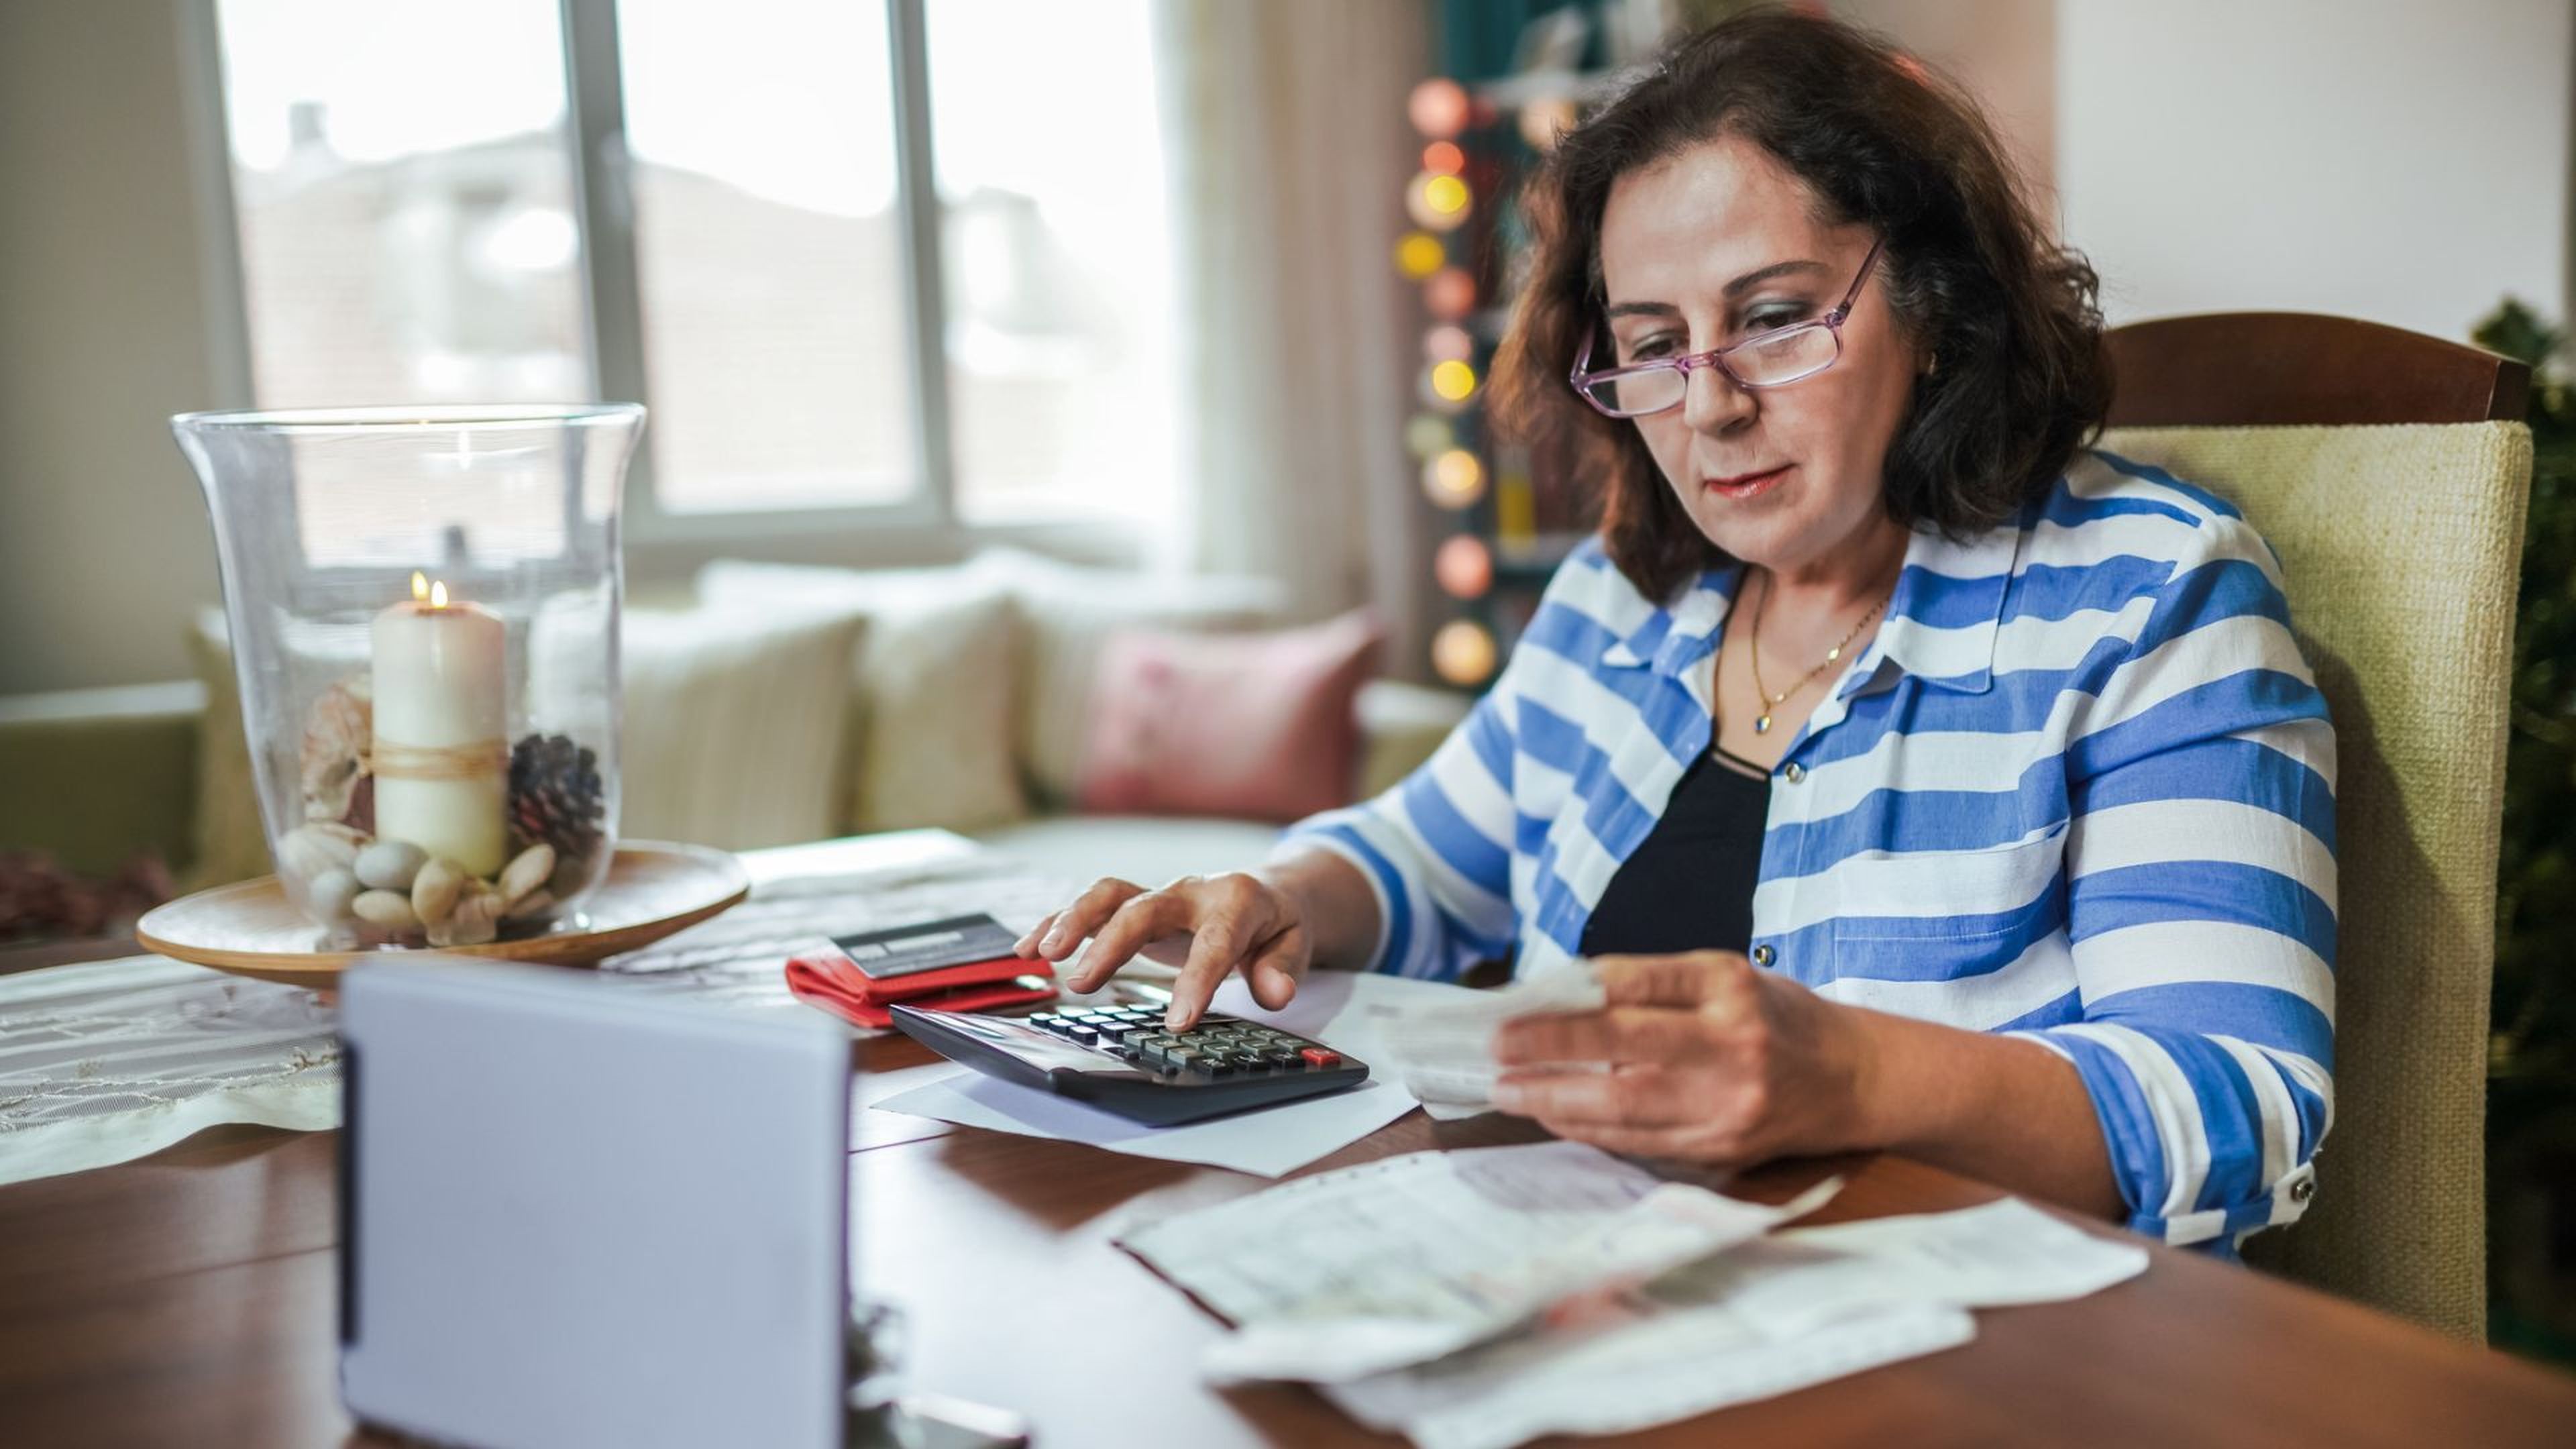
x=1762, y=725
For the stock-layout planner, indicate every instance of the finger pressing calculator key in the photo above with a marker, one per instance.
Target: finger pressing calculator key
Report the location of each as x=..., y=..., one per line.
x=1125, y=1060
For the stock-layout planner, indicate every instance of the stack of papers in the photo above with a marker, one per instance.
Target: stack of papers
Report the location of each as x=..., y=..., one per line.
x=1480, y=1299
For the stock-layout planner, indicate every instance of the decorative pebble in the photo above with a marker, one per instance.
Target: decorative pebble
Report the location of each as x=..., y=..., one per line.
x=331, y=894
x=385, y=908
x=390, y=865
x=475, y=921
x=434, y=889
x=308, y=850
x=531, y=870
x=530, y=906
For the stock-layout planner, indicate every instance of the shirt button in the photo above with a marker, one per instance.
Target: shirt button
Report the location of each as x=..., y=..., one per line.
x=1795, y=773
x=1762, y=954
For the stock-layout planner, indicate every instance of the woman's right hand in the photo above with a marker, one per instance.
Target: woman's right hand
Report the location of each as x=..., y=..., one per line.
x=1210, y=926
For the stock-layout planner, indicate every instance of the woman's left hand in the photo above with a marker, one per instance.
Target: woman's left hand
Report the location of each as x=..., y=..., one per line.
x=1699, y=1056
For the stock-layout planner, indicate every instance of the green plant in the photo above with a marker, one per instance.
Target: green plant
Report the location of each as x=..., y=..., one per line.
x=2531, y=1084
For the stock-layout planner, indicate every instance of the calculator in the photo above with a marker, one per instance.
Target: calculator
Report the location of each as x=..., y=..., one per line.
x=1121, y=1058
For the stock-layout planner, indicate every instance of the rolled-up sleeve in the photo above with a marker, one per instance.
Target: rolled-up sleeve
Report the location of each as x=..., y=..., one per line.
x=1436, y=848
x=2200, y=878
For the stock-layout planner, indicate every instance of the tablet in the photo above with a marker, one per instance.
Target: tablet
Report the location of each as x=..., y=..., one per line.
x=577, y=1211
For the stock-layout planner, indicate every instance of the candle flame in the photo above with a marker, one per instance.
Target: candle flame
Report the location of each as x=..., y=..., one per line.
x=438, y=596
x=419, y=586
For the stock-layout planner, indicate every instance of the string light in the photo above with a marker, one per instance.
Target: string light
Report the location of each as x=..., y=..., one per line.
x=1448, y=342
x=1440, y=203
x=1443, y=158
x=1464, y=566
x=1426, y=435
x=1453, y=381
x=1418, y=254
x=1439, y=108
x=1453, y=478
x=1463, y=653
x=1450, y=293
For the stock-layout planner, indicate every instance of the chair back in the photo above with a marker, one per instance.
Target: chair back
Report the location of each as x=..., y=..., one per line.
x=2390, y=472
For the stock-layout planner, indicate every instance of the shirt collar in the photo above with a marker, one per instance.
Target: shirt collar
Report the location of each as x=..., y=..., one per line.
x=1940, y=627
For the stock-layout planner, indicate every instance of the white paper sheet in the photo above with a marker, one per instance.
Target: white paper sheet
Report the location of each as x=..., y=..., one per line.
x=1798, y=1307
x=1441, y=1047
x=1398, y=1262
x=1330, y=1007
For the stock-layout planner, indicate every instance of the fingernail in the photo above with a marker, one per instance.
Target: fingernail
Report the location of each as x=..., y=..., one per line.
x=1051, y=940
x=1175, y=1020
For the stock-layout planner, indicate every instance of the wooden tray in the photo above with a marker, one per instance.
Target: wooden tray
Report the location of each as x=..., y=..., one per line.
x=653, y=889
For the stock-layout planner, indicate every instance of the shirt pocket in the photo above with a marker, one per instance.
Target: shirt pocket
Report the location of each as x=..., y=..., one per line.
x=1953, y=914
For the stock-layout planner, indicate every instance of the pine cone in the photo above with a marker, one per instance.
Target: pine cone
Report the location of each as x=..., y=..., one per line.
x=556, y=797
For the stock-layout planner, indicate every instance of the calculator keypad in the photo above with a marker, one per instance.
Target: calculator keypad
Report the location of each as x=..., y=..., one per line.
x=1219, y=1046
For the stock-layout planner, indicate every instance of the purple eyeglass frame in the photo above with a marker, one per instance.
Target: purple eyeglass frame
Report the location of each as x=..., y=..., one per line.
x=1832, y=322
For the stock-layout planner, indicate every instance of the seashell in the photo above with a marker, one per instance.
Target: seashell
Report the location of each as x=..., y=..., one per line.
x=308, y=850
x=390, y=865
x=434, y=890
x=339, y=738
x=385, y=908
x=331, y=894
x=529, y=907
x=475, y=921
x=531, y=870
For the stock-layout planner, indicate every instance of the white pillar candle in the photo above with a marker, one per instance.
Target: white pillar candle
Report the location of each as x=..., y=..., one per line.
x=441, y=760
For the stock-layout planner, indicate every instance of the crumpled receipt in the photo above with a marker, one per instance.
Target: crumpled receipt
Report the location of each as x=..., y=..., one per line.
x=1442, y=1050
x=1336, y=1277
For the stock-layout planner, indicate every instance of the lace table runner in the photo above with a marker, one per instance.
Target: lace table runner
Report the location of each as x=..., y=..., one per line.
x=108, y=1061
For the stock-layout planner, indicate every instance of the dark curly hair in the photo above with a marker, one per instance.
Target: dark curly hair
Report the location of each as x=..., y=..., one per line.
x=2023, y=378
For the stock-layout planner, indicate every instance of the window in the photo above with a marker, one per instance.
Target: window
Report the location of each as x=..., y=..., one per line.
x=865, y=264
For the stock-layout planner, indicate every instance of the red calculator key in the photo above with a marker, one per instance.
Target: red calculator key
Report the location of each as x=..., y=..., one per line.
x=1318, y=1057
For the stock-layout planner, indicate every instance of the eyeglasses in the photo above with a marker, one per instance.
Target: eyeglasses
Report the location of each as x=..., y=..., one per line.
x=1768, y=359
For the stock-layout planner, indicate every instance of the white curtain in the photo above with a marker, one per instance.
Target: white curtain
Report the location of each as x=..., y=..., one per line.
x=1300, y=344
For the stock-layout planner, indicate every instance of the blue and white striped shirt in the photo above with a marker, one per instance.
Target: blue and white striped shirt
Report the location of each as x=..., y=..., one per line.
x=2079, y=788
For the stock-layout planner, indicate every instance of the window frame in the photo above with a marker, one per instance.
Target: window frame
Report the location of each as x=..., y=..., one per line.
x=926, y=526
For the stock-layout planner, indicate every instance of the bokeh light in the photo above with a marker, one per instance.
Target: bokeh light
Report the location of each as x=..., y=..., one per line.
x=1440, y=203
x=1443, y=158
x=1464, y=567
x=1453, y=381
x=1453, y=478
x=1426, y=435
x=1448, y=342
x=1418, y=254
x=1438, y=108
x=1450, y=293
x=1463, y=653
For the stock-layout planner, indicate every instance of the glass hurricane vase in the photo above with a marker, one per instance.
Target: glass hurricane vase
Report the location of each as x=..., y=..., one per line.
x=423, y=608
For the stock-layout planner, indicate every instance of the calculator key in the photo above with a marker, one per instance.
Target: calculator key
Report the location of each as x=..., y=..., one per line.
x=1081, y=1033
x=1318, y=1056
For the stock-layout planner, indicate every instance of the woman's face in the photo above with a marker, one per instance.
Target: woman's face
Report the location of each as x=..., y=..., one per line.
x=1708, y=248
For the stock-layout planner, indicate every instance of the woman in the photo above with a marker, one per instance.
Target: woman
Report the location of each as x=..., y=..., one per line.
x=1915, y=778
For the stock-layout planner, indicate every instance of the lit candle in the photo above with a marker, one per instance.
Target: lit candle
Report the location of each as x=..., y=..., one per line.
x=441, y=762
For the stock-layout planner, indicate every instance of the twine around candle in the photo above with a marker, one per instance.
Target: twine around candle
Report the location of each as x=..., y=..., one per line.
x=472, y=761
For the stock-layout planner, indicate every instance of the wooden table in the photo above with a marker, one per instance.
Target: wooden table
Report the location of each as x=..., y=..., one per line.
x=188, y=1299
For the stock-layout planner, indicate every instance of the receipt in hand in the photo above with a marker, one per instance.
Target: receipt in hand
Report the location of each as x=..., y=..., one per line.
x=1398, y=1262
x=1443, y=1050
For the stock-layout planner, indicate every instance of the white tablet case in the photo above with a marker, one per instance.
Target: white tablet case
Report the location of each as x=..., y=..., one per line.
x=579, y=1212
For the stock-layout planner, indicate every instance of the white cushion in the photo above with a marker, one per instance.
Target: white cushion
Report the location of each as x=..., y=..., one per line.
x=733, y=727
x=928, y=729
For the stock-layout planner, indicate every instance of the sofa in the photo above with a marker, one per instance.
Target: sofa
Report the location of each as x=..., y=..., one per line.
x=774, y=704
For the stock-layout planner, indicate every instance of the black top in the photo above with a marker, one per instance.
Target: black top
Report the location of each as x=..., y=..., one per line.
x=1689, y=886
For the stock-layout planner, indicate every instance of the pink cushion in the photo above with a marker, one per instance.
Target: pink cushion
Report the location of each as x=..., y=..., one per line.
x=1255, y=726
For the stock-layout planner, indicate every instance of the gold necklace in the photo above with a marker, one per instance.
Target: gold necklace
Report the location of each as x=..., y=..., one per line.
x=1753, y=639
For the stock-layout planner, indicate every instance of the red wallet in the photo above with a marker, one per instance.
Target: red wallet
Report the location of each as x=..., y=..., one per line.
x=857, y=978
